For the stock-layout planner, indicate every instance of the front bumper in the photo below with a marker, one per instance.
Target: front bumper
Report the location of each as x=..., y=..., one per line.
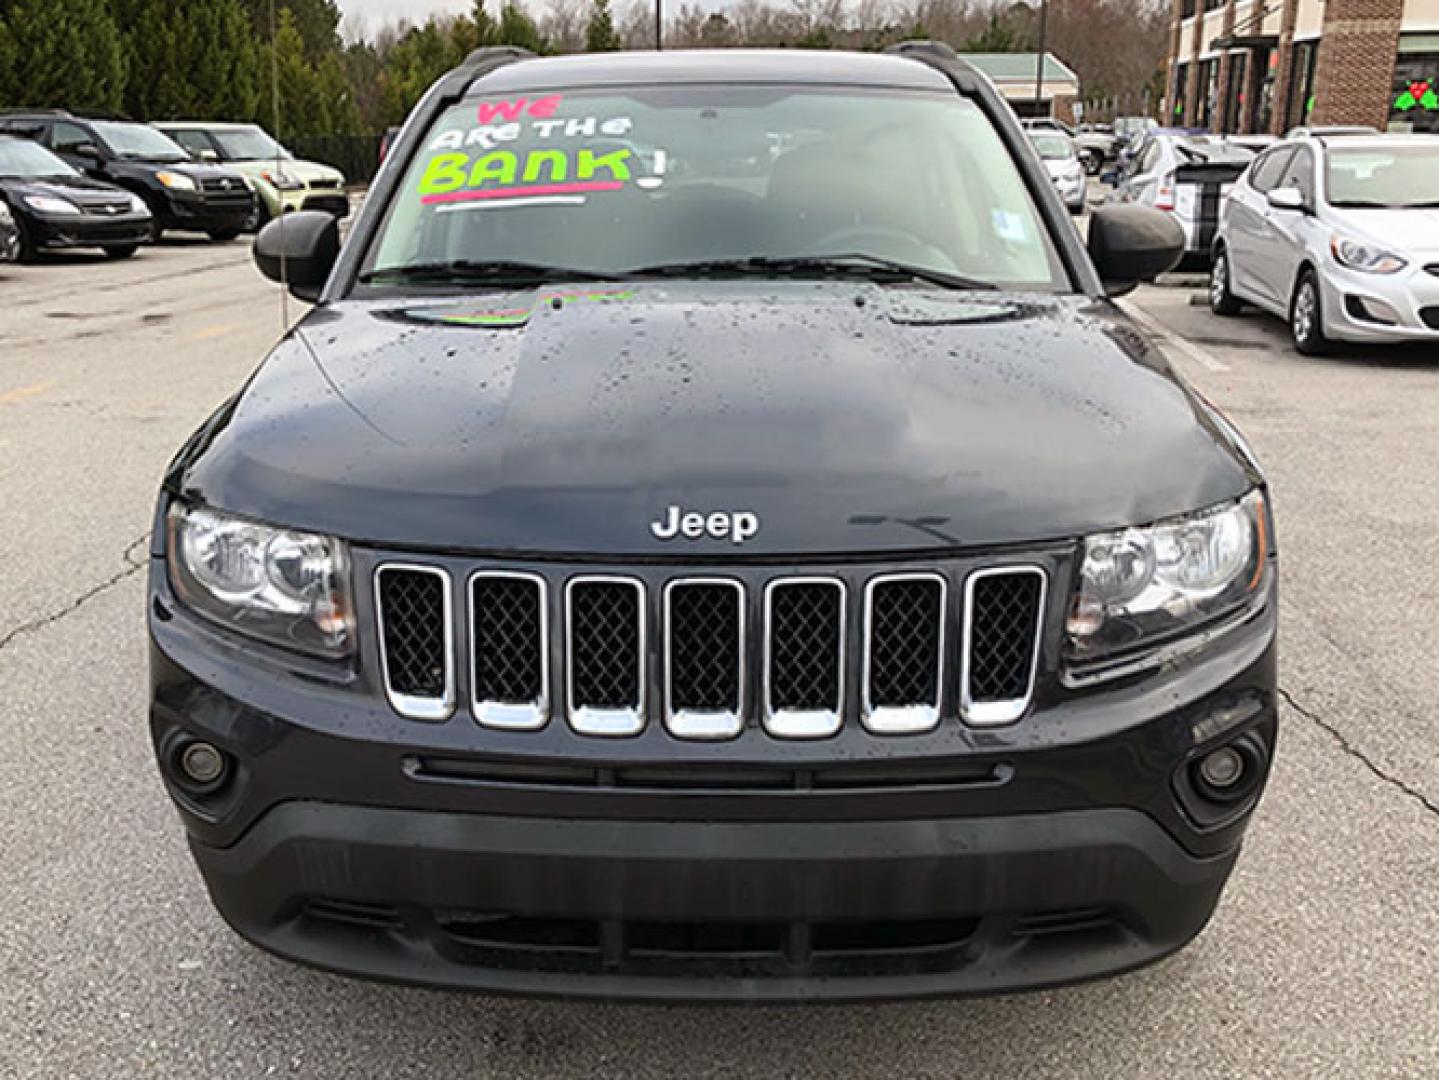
x=56, y=233
x=1381, y=307
x=956, y=862
x=223, y=213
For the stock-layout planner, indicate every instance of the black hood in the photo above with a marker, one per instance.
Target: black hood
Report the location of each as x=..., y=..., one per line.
x=198, y=171
x=65, y=187
x=848, y=418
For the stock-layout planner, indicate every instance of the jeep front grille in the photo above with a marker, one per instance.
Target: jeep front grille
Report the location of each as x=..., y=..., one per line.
x=509, y=650
x=605, y=639
x=704, y=658
x=759, y=647
x=1002, y=613
x=413, y=606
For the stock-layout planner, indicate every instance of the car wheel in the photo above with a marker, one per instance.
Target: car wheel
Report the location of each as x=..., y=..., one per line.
x=121, y=251
x=223, y=236
x=1306, y=316
x=27, y=251
x=258, y=219
x=1221, y=300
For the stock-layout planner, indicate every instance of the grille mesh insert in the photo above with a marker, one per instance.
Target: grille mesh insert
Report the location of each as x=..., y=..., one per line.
x=805, y=629
x=704, y=628
x=1003, y=627
x=904, y=641
x=605, y=644
x=508, y=640
x=412, y=608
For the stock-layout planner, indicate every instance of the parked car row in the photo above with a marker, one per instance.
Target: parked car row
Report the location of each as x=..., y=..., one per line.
x=70, y=181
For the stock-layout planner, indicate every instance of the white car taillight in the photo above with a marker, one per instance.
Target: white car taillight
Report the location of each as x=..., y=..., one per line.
x=1164, y=195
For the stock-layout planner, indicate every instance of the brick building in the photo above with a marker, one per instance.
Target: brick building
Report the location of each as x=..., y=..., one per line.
x=1257, y=66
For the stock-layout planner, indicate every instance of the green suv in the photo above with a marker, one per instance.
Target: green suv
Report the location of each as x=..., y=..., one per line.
x=282, y=181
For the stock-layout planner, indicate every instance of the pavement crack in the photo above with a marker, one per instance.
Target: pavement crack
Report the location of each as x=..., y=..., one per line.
x=132, y=567
x=1358, y=755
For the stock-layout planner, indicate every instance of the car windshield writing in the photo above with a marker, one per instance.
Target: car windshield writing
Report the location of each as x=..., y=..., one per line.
x=617, y=181
x=1052, y=147
x=1391, y=176
x=248, y=144
x=21, y=157
x=139, y=141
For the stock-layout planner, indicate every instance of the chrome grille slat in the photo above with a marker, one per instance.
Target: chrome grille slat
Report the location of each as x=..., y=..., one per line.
x=704, y=636
x=904, y=638
x=413, y=610
x=605, y=654
x=1003, y=614
x=509, y=650
x=804, y=648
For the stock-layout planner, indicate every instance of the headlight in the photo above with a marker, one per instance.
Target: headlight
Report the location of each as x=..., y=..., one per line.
x=1360, y=256
x=283, y=181
x=287, y=587
x=137, y=205
x=48, y=204
x=178, y=181
x=1140, y=587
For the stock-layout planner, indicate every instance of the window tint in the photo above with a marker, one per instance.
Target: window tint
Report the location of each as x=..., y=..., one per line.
x=1266, y=172
x=197, y=142
x=1300, y=173
x=65, y=137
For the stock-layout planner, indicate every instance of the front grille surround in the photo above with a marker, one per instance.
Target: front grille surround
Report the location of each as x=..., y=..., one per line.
x=510, y=715
x=915, y=717
x=804, y=723
x=983, y=711
x=607, y=719
x=705, y=723
x=408, y=704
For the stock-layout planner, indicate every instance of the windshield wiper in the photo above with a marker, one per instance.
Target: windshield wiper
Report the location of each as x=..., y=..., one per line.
x=501, y=272
x=850, y=264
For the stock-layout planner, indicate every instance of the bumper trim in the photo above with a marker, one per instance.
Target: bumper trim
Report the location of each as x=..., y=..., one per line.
x=988, y=881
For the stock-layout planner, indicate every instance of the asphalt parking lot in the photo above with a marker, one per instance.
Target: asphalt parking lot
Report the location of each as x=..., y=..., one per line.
x=1321, y=961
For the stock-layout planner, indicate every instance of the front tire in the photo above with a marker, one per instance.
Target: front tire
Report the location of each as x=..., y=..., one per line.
x=1306, y=316
x=223, y=236
x=121, y=251
x=1221, y=300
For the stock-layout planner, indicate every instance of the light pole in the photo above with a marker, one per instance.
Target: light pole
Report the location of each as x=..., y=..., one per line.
x=1039, y=61
x=659, y=25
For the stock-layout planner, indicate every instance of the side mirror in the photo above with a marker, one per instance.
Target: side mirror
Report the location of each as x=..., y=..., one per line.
x=1287, y=198
x=1130, y=243
x=299, y=250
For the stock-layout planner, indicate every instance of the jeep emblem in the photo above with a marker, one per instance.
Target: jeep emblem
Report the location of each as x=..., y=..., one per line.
x=737, y=525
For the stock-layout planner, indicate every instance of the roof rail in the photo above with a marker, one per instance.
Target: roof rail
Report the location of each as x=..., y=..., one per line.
x=490, y=53
x=22, y=111
x=942, y=55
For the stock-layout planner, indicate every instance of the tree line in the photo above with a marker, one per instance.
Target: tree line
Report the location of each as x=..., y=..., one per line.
x=296, y=66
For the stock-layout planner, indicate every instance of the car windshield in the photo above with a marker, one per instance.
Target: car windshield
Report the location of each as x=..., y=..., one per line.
x=138, y=141
x=248, y=144
x=1052, y=147
x=1389, y=177
x=21, y=157
x=768, y=180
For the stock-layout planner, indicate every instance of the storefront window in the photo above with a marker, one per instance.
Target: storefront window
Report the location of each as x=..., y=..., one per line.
x=1415, y=105
x=1181, y=90
x=1208, y=91
x=1234, y=91
x=1301, y=84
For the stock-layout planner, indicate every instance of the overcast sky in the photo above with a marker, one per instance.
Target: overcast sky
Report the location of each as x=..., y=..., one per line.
x=371, y=14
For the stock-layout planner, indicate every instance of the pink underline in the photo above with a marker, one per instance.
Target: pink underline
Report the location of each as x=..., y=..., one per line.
x=521, y=192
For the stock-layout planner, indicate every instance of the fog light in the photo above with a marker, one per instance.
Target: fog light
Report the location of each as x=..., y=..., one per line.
x=1223, y=768
x=202, y=763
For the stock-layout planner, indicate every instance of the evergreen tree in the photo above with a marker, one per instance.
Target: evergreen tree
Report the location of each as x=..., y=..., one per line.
x=296, y=81
x=316, y=21
x=65, y=53
x=517, y=28
x=9, y=88
x=600, y=35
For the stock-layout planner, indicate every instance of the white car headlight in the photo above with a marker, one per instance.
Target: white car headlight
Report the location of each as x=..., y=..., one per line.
x=287, y=587
x=1145, y=586
x=49, y=204
x=1357, y=255
x=178, y=181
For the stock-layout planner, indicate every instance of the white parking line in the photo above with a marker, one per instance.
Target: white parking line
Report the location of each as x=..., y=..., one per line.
x=1171, y=340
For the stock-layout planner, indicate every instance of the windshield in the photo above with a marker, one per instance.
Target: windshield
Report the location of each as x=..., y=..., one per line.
x=138, y=141
x=21, y=157
x=1391, y=177
x=1052, y=147
x=614, y=182
x=248, y=144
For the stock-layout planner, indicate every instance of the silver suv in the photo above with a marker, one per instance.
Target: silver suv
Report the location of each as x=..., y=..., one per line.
x=1339, y=236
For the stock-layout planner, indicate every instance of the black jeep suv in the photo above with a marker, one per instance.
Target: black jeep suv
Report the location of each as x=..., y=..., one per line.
x=715, y=537
x=180, y=193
